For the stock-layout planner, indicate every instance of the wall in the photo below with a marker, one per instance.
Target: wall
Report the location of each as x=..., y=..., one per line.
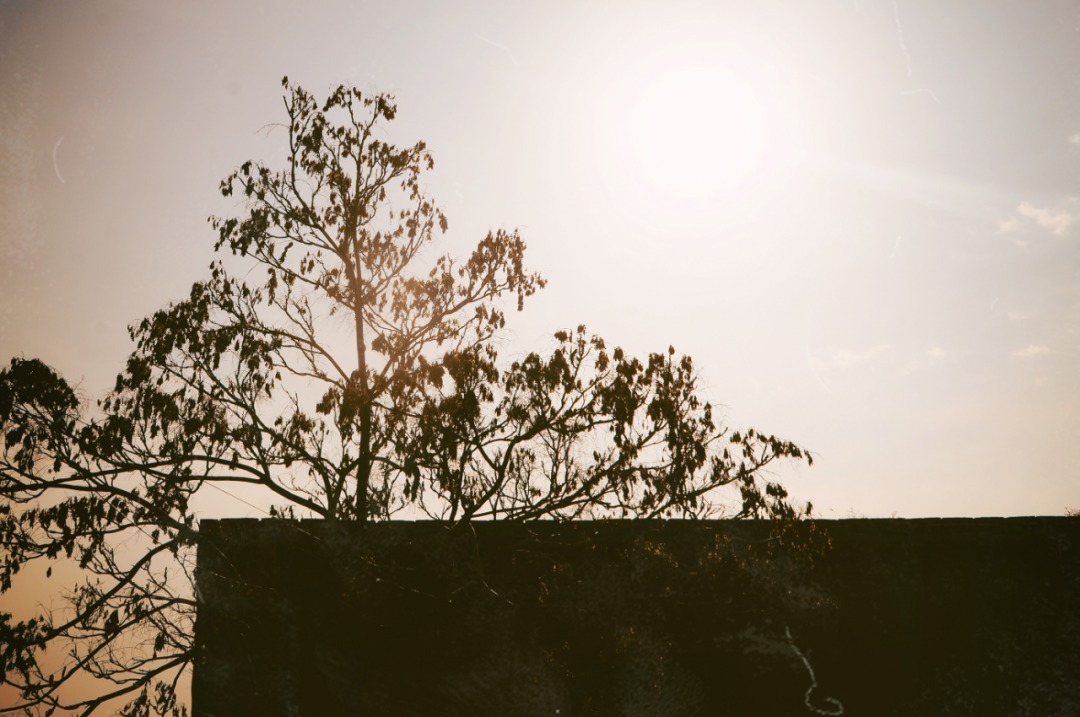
x=870, y=617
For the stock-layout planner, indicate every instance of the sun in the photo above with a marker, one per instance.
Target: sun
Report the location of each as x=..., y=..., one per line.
x=690, y=136
x=695, y=131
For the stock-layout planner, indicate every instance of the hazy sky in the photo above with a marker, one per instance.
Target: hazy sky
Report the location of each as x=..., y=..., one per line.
x=861, y=218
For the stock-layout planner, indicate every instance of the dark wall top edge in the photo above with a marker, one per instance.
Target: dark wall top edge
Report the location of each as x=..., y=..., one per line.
x=206, y=522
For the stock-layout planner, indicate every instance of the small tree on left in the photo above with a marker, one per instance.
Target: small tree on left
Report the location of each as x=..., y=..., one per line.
x=344, y=375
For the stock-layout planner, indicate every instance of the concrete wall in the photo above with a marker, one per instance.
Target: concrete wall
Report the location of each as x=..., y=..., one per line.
x=872, y=617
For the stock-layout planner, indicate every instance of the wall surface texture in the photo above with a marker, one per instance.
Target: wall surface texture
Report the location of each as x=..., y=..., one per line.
x=858, y=617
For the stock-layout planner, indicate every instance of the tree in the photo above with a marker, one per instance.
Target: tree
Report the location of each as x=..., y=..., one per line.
x=246, y=382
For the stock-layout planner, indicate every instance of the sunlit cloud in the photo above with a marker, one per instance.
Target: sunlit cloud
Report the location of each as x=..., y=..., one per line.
x=931, y=357
x=1075, y=139
x=1056, y=221
x=844, y=359
x=1020, y=315
x=828, y=362
x=1032, y=351
x=1009, y=225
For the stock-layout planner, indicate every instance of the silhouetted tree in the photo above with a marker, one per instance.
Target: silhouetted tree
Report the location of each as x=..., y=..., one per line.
x=333, y=367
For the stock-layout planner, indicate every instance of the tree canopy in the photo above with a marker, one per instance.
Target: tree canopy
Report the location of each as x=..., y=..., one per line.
x=335, y=367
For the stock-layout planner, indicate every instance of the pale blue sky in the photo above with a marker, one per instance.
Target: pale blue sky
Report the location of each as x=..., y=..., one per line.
x=860, y=218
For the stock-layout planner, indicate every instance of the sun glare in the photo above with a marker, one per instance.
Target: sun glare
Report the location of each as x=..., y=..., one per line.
x=690, y=138
x=695, y=131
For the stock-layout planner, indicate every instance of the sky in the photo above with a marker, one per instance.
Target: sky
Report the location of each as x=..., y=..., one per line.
x=861, y=218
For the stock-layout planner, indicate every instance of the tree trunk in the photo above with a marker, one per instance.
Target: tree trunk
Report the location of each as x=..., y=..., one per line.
x=360, y=385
